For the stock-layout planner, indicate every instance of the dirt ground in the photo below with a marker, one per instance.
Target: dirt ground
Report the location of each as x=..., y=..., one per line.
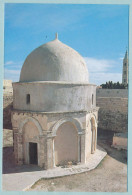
x=109, y=176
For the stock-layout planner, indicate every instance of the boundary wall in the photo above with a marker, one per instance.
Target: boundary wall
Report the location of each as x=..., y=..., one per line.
x=113, y=112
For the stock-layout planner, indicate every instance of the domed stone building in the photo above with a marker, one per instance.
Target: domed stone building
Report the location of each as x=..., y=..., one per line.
x=54, y=114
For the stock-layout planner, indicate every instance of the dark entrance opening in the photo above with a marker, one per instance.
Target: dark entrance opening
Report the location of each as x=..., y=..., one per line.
x=33, y=156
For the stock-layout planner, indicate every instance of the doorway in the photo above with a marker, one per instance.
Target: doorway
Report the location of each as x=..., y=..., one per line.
x=33, y=154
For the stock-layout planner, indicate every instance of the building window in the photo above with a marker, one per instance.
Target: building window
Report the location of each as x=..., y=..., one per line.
x=124, y=80
x=124, y=72
x=28, y=99
x=92, y=98
x=125, y=64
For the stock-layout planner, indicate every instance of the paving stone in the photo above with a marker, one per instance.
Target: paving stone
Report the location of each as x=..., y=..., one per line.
x=25, y=179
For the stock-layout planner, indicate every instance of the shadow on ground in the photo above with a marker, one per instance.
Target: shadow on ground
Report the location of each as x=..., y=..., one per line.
x=9, y=163
x=104, y=140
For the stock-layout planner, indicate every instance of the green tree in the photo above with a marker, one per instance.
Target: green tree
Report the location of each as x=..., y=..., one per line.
x=111, y=85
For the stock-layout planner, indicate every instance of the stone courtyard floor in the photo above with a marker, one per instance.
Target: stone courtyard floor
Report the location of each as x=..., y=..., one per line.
x=109, y=176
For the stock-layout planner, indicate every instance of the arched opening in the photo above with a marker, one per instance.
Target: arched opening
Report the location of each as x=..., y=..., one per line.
x=92, y=99
x=28, y=99
x=30, y=143
x=93, y=135
x=66, y=144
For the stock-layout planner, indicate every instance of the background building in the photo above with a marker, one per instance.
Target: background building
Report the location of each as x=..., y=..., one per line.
x=125, y=69
x=113, y=103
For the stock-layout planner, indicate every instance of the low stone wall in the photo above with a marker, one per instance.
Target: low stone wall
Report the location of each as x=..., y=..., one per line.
x=120, y=141
x=122, y=93
x=113, y=112
x=7, y=106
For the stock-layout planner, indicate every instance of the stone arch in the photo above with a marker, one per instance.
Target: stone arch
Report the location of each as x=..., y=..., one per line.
x=30, y=138
x=66, y=144
x=90, y=117
x=35, y=121
x=77, y=124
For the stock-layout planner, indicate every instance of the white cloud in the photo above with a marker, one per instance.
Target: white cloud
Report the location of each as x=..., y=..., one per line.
x=102, y=70
x=12, y=74
x=98, y=65
x=9, y=63
x=12, y=70
x=121, y=58
x=100, y=78
x=14, y=64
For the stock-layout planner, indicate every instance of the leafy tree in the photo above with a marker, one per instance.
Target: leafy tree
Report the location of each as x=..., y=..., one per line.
x=111, y=85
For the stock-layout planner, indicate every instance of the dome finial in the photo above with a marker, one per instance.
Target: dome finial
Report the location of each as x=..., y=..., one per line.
x=56, y=35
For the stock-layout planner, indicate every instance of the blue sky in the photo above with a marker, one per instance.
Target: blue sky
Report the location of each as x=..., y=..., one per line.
x=98, y=32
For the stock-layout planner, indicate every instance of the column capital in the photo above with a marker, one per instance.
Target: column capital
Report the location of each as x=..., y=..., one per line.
x=42, y=136
x=15, y=128
x=83, y=131
x=50, y=137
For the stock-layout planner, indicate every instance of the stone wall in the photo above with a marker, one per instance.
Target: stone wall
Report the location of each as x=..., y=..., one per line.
x=7, y=87
x=113, y=112
x=122, y=93
x=7, y=106
x=7, y=83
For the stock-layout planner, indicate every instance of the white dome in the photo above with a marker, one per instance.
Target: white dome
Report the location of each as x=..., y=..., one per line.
x=54, y=61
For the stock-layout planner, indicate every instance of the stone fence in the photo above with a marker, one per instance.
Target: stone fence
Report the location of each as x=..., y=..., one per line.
x=122, y=93
x=113, y=112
